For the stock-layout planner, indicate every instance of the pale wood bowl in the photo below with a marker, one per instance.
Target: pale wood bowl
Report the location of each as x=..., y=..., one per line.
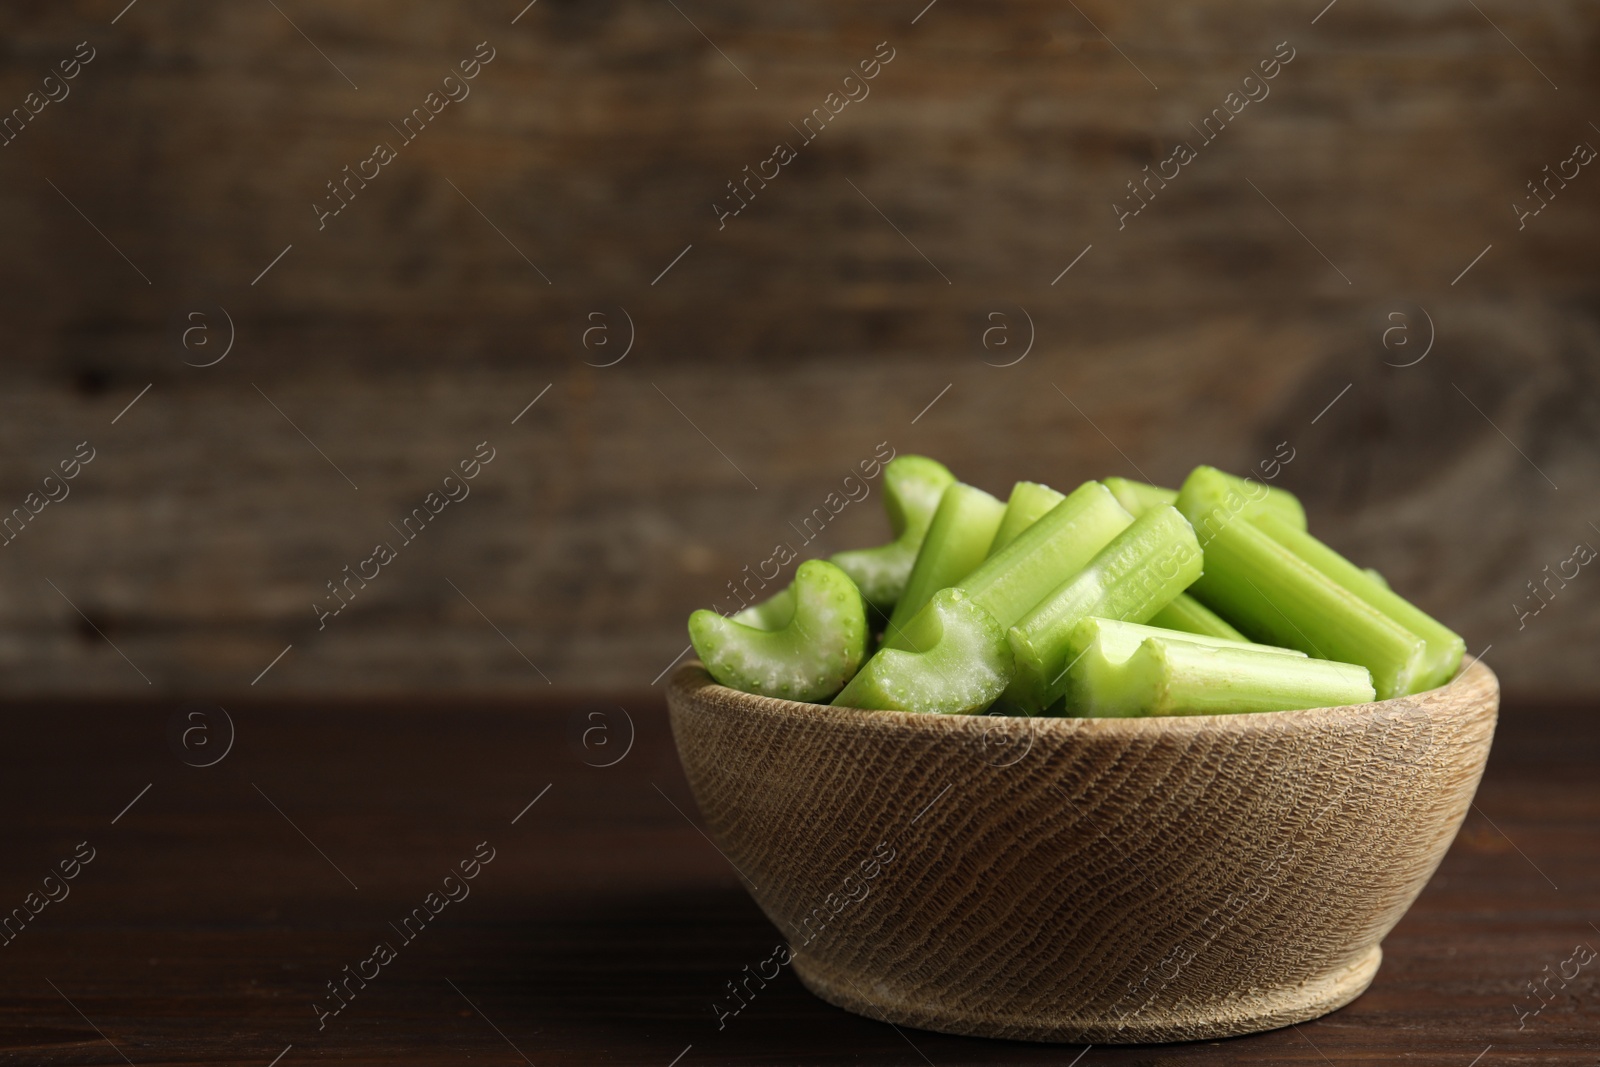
x=1101, y=880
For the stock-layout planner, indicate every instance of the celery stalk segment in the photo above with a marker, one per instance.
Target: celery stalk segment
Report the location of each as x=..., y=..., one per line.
x=1222, y=497
x=1276, y=597
x=1011, y=582
x=809, y=658
x=912, y=487
x=1121, y=670
x=1444, y=647
x=958, y=539
x=1187, y=615
x=1132, y=577
x=1028, y=503
x=961, y=663
x=1139, y=497
x=772, y=613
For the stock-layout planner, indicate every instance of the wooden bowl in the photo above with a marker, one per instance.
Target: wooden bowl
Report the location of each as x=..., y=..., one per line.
x=1100, y=880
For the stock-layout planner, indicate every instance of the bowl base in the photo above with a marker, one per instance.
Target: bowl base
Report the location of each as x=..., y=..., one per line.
x=1229, y=1017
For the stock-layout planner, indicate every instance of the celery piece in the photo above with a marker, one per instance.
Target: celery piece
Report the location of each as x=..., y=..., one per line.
x=772, y=613
x=810, y=658
x=1130, y=579
x=912, y=487
x=1221, y=497
x=1028, y=503
x=1188, y=615
x=1444, y=647
x=1139, y=497
x=957, y=540
x=1119, y=674
x=1376, y=576
x=961, y=664
x=1276, y=597
x=1010, y=583
x=1098, y=647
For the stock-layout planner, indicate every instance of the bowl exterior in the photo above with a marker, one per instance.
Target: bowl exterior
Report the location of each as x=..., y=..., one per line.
x=1103, y=880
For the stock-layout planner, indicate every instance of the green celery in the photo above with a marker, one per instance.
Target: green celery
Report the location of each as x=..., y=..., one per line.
x=1029, y=502
x=957, y=541
x=1376, y=576
x=772, y=613
x=912, y=487
x=1277, y=598
x=1444, y=647
x=961, y=664
x=1223, y=497
x=1010, y=583
x=1139, y=497
x=1118, y=673
x=1188, y=615
x=1130, y=579
x=810, y=658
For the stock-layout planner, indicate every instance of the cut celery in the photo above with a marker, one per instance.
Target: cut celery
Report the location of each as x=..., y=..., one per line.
x=1010, y=583
x=1276, y=597
x=1119, y=639
x=912, y=486
x=1444, y=647
x=1187, y=615
x=1029, y=502
x=772, y=613
x=810, y=658
x=957, y=541
x=1139, y=497
x=961, y=666
x=1141, y=570
x=1221, y=498
x=1120, y=674
x=1099, y=647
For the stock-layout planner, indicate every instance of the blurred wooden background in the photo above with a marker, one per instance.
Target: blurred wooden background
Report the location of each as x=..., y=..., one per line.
x=780, y=350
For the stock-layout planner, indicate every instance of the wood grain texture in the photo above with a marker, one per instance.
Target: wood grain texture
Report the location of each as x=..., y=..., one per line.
x=1101, y=880
x=798, y=337
x=608, y=927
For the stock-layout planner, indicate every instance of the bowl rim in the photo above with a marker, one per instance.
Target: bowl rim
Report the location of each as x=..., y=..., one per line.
x=1475, y=686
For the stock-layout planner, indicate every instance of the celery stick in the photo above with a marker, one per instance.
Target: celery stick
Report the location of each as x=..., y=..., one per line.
x=1141, y=570
x=772, y=613
x=1119, y=639
x=912, y=487
x=1188, y=615
x=1221, y=498
x=1010, y=583
x=1138, y=497
x=1276, y=597
x=961, y=664
x=1175, y=676
x=810, y=658
x=958, y=538
x=1099, y=648
x=1444, y=647
x=1029, y=501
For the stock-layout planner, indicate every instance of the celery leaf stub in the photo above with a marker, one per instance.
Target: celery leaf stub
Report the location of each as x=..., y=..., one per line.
x=961, y=666
x=912, y=488
x=809, y=658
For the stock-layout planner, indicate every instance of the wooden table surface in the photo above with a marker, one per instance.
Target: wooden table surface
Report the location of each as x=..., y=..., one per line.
x=220, y=902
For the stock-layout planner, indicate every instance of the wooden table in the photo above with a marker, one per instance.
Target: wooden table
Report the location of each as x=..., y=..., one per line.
x=223, y=899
